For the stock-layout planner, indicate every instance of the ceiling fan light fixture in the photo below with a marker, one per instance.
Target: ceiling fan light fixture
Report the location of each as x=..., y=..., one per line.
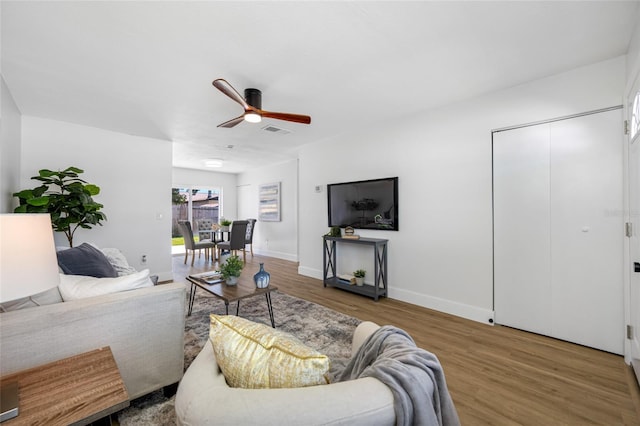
x=252, y=117
x=214, y=162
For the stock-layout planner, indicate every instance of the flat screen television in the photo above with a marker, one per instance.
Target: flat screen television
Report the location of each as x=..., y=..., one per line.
x=365, y=204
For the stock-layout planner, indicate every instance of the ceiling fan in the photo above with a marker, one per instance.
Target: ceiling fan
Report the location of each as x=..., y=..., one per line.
x=252, y=104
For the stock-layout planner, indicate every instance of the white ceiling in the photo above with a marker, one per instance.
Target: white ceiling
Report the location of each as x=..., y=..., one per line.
x=145, y=68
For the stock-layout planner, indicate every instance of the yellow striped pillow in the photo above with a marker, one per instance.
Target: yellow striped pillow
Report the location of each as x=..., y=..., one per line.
x=253, y=355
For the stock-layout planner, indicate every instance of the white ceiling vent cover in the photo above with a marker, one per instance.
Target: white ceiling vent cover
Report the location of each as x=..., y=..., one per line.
x=274, y=129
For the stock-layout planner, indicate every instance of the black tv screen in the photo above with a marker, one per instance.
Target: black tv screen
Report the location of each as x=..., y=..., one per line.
x=365, y=204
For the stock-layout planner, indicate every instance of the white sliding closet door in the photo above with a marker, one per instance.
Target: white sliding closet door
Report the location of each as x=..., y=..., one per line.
x=558, y=203
x=521, y=231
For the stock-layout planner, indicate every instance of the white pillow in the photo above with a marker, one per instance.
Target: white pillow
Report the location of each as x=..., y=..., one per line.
x=118, y=261
x=74, y=287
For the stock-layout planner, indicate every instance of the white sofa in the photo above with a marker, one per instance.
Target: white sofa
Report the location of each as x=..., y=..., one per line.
x=204, y=398
x=143, y=327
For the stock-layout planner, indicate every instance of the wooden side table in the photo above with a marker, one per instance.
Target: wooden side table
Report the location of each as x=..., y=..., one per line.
x=73, y=391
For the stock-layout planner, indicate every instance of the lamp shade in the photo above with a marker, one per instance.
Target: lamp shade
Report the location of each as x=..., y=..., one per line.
x=28, y=262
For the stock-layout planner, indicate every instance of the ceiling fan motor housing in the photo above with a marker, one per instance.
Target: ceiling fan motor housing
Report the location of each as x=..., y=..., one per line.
x=253, y=97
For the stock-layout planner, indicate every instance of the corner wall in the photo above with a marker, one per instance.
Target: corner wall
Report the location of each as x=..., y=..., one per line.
x=134, y=176
x=10, y=142
x=442, y=256
x=274, y=239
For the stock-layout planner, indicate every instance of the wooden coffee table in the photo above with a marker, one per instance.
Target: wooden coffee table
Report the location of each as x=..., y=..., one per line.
x=73, y=391
x=245, y=289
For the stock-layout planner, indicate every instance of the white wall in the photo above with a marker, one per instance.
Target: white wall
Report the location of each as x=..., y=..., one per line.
x=191, y=178
x=441, y=257
x=274, y=239
x=633, y=54
x=133, y=173
x=10, y=138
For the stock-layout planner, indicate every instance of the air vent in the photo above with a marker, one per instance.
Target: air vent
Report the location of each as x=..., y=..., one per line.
x=274, y=129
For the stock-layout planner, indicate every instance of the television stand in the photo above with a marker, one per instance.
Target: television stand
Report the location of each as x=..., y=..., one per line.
x=329, y=260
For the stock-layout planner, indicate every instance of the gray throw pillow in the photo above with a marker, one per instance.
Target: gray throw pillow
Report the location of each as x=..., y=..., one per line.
x=85, y=260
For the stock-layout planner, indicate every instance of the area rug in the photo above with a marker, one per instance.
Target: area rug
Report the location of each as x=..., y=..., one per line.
x=323, y=329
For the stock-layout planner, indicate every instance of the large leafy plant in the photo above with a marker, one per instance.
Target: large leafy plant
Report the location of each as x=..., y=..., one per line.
x=66, y=197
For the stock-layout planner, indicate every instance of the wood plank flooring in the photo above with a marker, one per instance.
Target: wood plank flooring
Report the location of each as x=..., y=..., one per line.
x=496, y=375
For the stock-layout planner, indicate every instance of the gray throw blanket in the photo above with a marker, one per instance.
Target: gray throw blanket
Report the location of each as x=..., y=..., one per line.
x=414, y=376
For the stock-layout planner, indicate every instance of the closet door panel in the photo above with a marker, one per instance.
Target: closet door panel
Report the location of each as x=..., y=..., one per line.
x=522, y=293
x=586, y=197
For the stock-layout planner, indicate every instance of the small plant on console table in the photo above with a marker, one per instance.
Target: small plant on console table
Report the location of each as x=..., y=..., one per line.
x=231, y=270
x=359, y=275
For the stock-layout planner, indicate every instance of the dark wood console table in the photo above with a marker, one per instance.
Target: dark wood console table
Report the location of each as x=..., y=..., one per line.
x=379, y=288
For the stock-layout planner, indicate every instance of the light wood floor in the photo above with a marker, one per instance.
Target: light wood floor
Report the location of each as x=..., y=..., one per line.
x=496, y=375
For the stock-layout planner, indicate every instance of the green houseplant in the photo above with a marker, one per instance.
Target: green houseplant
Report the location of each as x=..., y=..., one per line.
x=231, y=269
x=66, y=197
x=359, y=275
x=225, y=224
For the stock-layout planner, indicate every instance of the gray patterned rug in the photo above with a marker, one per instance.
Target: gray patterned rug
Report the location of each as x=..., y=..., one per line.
x=323, y=329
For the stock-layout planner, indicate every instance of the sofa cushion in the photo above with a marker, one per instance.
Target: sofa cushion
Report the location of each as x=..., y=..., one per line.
x=47, y=297
x=253, y=355
x=74, y=287
x=119, y=262
x=85, y=260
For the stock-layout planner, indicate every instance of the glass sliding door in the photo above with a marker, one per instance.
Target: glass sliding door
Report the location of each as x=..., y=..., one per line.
x=195, y=205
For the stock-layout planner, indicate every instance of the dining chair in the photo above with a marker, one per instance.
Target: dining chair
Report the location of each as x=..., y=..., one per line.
x=205, y=230
x=190, y=244
x=249, y=237
x=236, y=239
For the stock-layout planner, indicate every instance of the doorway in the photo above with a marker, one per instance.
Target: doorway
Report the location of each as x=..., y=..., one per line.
x=192, y=204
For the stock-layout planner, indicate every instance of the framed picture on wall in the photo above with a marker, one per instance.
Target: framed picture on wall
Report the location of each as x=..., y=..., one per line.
x=269, y=202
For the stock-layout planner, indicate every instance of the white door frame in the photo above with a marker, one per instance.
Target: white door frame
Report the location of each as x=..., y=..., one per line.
x=632, y=215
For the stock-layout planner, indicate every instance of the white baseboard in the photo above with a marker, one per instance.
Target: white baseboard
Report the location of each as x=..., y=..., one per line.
x=279, y=255
x=310, y=272
x=473, y=313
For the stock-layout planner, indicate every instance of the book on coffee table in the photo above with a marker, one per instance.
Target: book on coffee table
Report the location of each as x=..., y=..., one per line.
x=210, y=277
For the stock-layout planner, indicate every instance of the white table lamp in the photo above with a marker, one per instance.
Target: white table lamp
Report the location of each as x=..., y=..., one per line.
x=28, y=265
x=28, y=262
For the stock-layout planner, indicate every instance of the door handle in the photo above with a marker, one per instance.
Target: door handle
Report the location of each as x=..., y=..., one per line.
x=636, y=266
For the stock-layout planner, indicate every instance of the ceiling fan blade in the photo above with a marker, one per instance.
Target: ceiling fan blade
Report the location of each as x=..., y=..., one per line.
x=296, y=118
x=223, y=86
x=232, y=122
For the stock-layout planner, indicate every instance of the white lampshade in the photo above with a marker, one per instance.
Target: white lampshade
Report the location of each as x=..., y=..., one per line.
x=28, y=262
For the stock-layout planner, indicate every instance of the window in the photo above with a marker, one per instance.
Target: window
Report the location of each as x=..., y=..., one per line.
x=635, y=115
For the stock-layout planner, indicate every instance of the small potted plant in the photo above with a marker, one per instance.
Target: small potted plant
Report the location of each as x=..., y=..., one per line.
x=359, y=275
x=231, y=270
x=225, y=224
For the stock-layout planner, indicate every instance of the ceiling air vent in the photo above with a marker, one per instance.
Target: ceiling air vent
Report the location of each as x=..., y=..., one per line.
x=274, y=129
